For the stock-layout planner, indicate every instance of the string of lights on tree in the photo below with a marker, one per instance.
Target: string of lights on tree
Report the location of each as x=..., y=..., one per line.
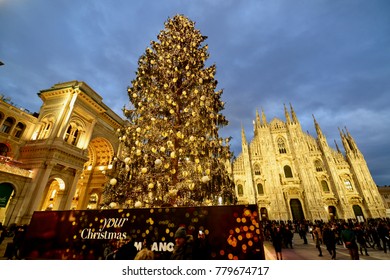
x=172, y=154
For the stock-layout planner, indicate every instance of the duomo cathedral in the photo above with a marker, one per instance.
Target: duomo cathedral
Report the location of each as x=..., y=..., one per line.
x=56, y=159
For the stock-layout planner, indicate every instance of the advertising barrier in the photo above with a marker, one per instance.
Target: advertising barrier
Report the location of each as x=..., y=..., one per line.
x=229, y=233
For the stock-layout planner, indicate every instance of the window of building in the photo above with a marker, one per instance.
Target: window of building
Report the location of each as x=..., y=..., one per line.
x=318, y=165
x=260, y=189
x=7, y=125
x=281, y=146
x=240, y=190
x=19, y=129
x=45, y=131
x=325, y=187
x=257, y=169
x=3, y=150
x=287, y=171
x=348, y=185
x=72, y=135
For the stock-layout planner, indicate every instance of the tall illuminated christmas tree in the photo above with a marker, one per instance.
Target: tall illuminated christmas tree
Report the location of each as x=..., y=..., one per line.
x=172, y=154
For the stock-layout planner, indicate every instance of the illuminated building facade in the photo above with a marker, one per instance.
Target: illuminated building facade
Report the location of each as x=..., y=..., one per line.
x=293, y=176
x=55, y=159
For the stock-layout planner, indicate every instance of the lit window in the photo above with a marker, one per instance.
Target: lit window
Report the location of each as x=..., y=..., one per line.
x=348, y=185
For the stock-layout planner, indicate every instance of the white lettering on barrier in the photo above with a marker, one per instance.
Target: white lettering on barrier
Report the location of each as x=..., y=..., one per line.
x=157, y=246
x=113, y=222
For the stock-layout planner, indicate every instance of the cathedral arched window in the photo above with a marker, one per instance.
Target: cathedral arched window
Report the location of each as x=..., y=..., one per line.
x=287, y=171
x=325, y=186
x=260, y=189
x=281, y=146
x=240, y=190
x=318, y=165
x=257, y=169
x=348, y=185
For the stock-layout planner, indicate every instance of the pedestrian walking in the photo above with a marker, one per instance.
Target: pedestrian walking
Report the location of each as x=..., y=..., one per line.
x=317, y=235
x=349, y=238
x=329, y=238
x=361, y=239
x=277, y=241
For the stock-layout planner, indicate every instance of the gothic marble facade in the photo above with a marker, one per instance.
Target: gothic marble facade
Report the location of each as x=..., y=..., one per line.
x=293, y=176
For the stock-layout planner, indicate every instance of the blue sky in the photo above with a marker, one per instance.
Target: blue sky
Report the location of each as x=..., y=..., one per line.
x=330, y=59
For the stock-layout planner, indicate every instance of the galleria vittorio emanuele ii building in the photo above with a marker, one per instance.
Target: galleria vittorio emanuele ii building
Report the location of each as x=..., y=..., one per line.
x=56, y=159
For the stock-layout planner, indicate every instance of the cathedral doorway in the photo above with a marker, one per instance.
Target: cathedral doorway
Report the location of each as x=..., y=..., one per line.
x=296, y=210
x=264, y=213
x=332, y=213
x=357, y=210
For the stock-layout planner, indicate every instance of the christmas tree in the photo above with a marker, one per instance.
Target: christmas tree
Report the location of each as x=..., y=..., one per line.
x=172, y=154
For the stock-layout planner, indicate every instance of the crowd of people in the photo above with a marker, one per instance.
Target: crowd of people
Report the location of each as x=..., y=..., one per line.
x=355, y=236
x=17, y=233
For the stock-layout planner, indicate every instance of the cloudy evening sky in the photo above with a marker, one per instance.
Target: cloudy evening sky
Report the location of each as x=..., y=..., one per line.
x=328, y=58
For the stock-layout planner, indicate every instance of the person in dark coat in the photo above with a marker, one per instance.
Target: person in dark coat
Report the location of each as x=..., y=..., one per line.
x=127, y=251
x=384, y=236
x=184, y=245
x=349, y=238
x=329, y=237
x=361, y=239
x=277, y=242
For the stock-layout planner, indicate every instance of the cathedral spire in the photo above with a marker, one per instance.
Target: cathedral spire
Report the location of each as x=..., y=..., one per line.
x=263, y=119
x=243, y=137
x=337, y=146
x=294, y=116
x=258, y=122
x=352, y=142
x=318, y=129
x=288, y=120
x=347, y=148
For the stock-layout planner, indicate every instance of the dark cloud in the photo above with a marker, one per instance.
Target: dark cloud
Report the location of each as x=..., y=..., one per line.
x=327, y=58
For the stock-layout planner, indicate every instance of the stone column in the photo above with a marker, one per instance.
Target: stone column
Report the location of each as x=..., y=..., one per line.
x=37, y=194
x=66, y=202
